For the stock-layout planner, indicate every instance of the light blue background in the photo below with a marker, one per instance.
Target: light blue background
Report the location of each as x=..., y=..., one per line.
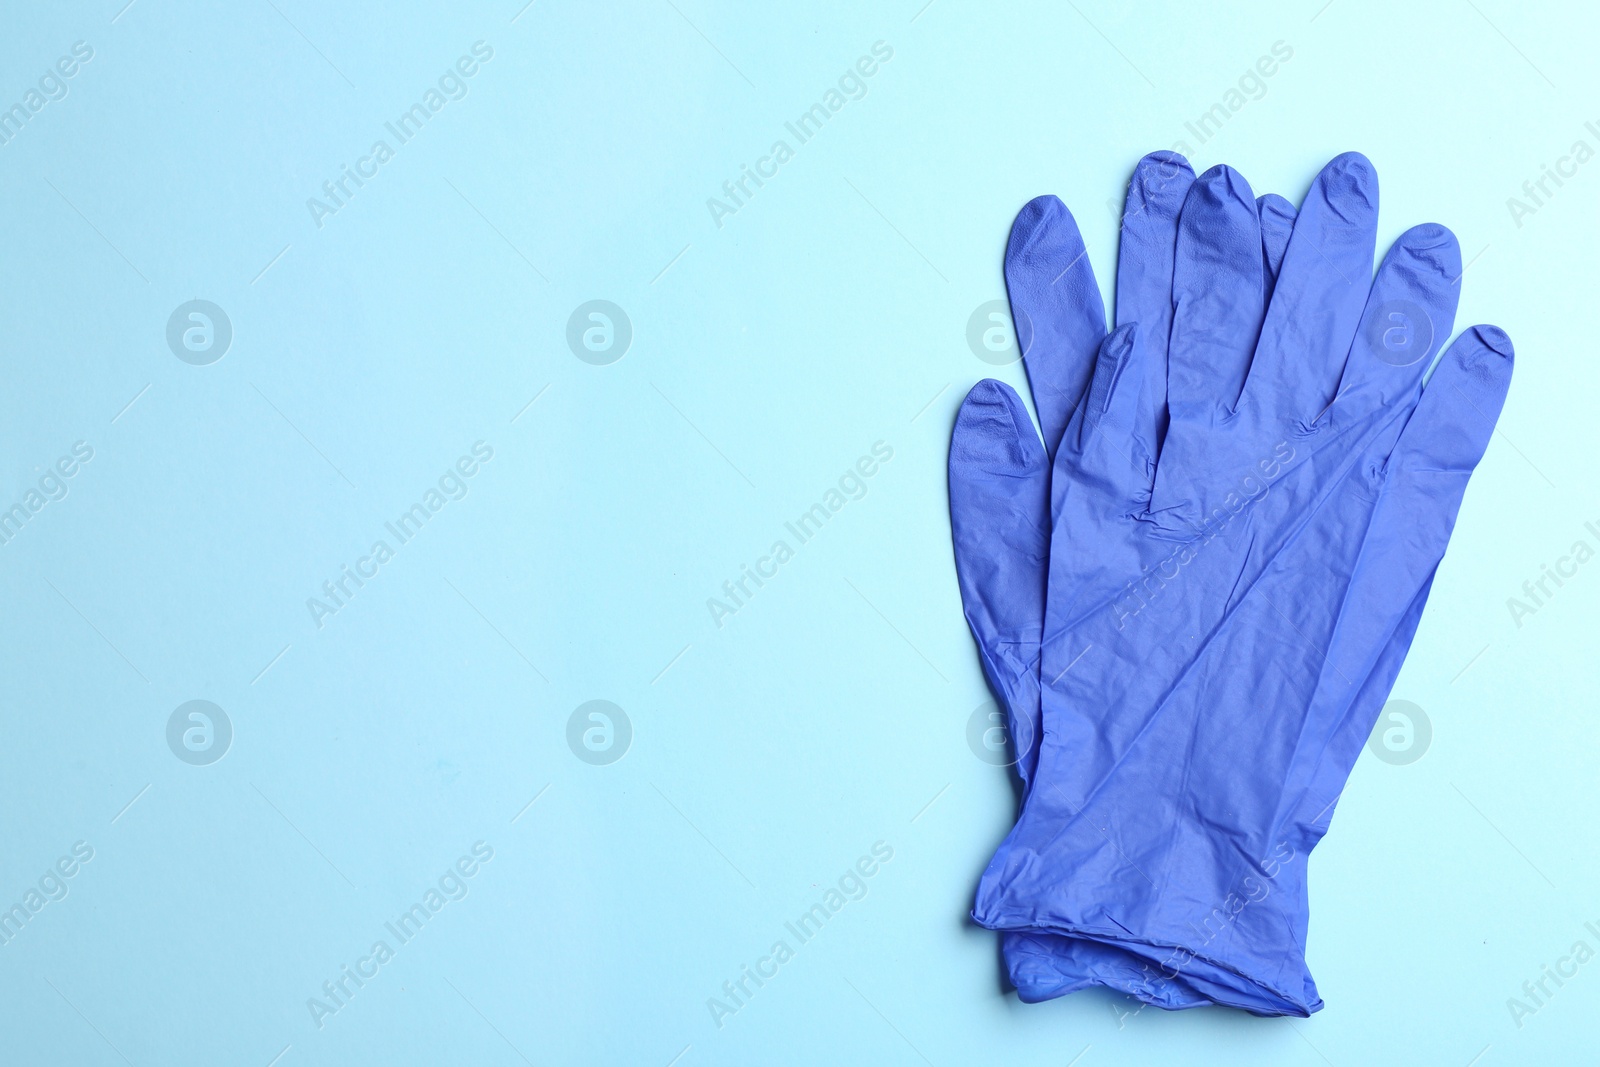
x=768, y=355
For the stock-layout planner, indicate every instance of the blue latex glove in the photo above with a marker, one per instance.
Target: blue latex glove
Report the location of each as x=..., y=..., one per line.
x=999, y=474
x=1205, y=635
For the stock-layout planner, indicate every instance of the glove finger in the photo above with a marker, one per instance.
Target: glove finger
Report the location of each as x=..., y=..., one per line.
x=1216, y=292
x=1277, y=224
x=1156, y=194
x=1108, y=456
x=1000, y=525
x=999, y=511
x=1410, y=312
x=1420, y=485
x=1455, y=418
x=1056, y=308
x=1422, y=482
x=1320, y=293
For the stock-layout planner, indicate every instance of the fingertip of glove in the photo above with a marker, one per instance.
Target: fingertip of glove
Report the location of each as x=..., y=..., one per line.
x=988, y=400
x=1350, y=175
x=1495, y=339
x=1480, y=363
x=1159, y=168
x=1039, y=211
x=1460, y=405
x=1162, y=159
x=1119, y=342
x=1115, y=352
x=1429, y=235
x=1271, y=205
x=1488, y=351
x=1223, y=176
x=1433, y=245
x=1222, y=189
x=1352, y=164
x=1160, y=177
x=1043, y=221
x=993, y=430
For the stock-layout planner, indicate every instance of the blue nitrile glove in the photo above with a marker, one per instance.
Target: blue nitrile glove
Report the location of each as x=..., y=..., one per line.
x=1047, y=961
x=999, y=474
x=1207, y=627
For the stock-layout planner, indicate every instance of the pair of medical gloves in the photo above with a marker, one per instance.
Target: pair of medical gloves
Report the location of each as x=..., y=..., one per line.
x=1192, y=597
